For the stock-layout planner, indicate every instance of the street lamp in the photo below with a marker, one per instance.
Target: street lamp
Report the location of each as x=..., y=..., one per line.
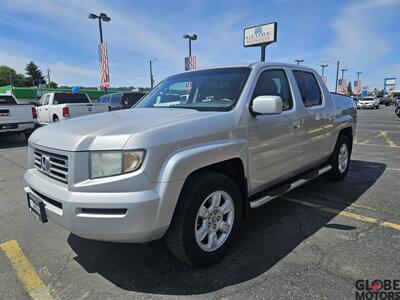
x=102, y=17
x=151, y=72
x=323, y=68
x=191, y=38
x=343, y=70
x=358, y=75
x=299, y=61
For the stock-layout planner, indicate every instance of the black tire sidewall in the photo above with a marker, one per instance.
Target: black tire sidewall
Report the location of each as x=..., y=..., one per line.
x=193, y=251
x=335, y=174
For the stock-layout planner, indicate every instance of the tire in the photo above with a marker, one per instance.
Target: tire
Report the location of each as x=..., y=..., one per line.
x=339, y=170
x=181, y=237
x=55, y=119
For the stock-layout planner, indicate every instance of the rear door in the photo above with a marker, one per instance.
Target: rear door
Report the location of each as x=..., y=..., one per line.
x=274, y=141
x=319, y=117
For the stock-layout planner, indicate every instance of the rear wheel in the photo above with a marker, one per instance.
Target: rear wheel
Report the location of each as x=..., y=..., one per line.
x=206, y=219
x=340, y=159
x=55, y=119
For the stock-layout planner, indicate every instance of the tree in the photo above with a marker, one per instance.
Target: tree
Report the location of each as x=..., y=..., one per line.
x=9, y=76
x=349, y=89
x=52, y=85
x=34, y=73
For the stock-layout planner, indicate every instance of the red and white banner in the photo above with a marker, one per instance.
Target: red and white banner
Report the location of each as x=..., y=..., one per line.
x=342, y=86
x=103, y=60
x=357, y=87
x=324, y=79
x=190, y=63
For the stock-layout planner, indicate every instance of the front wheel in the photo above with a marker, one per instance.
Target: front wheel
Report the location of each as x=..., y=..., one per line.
x=206, y=219
x=340, y=159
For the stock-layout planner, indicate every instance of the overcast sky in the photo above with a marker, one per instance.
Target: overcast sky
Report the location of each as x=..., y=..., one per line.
x=363, y=35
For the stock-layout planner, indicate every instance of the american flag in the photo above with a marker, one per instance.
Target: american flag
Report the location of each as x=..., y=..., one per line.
x=190, y=63
x=103, y=59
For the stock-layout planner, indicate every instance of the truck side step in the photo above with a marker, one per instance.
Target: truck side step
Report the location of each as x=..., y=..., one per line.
x=280, y=189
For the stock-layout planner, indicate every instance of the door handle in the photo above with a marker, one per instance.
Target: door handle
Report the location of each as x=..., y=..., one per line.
x=296, y=126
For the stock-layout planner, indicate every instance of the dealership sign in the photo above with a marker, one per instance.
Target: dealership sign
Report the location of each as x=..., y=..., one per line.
x=260, y=35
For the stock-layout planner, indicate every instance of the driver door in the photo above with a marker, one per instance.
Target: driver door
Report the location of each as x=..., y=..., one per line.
x=275, y=144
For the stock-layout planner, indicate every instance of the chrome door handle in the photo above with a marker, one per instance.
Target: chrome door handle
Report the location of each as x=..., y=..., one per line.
x=296, y=126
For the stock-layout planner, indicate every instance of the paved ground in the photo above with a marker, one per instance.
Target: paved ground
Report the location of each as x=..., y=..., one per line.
x=311, y=244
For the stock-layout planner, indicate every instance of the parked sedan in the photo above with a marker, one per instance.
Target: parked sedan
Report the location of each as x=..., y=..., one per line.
x=119, y=101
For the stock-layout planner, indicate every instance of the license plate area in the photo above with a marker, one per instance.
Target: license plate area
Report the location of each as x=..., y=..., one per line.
x=8, y=126
x=36, y=206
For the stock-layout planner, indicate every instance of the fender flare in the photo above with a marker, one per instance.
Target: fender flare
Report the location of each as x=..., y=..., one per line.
x=182, y=164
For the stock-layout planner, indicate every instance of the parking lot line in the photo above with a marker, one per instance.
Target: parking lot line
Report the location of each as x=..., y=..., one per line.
x=388, y=139
x=344, y=213
x=377, y=145
x=25, y=272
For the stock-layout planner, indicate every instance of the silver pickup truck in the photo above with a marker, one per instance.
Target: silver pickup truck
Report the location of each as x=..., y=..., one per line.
x=191, y=158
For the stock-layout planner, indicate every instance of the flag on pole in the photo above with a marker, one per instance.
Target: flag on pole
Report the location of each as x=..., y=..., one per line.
x=103, y=60
x=190, y=63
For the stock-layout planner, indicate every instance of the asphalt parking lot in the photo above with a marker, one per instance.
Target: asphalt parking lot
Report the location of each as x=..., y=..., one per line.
x=313, y=243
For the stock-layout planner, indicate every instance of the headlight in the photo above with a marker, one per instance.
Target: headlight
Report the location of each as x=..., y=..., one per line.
x=111, y=163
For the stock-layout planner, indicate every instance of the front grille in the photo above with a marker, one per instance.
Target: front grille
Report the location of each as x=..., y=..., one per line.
x=53, y=165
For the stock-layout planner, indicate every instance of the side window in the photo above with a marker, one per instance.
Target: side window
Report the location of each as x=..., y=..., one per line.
x=46, y=100
x=116, y=99
x=274, y=83
x=309, y=88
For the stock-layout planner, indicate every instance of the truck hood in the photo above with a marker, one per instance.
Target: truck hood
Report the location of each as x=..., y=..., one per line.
x=108, y=131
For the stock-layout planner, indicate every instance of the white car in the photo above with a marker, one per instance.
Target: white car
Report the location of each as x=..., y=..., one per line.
x=54, y=107
x=16, y=118
x=368, y=102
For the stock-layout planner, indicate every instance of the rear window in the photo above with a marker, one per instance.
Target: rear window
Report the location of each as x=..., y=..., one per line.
x=63, y=98
x=7, y=100
x=131, y=98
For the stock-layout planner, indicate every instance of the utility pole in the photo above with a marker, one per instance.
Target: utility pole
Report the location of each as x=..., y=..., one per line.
x=48, y=77
x=358, y=75
x=337, y=76
x=191, y=38
x=299, y=61
x=323, y=68
x=151, y=72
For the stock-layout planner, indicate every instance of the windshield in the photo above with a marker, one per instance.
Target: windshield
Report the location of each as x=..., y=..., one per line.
x=5, y=99
x=63, y=98
x=208, y=90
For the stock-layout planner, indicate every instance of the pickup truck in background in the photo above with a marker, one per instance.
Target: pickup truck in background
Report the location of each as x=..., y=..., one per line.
x=16, y=118
x=58, y=106
x=188, y=168
x=368, y=102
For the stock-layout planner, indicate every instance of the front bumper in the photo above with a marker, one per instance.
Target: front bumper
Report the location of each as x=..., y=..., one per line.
x=365, y=105
x=114, y=216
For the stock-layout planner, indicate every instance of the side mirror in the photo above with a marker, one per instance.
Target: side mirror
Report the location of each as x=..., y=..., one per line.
x=267, y=105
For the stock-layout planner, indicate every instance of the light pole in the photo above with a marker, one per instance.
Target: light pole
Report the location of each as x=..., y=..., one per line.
x=323, y=68
x=191, y=38
x=343, y=70
x=151, y=72
x=102, y=17
x=299, y=61
x=358, y=75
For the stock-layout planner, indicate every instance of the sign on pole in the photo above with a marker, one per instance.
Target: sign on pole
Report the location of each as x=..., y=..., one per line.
x=357, y=87
x=364, y=91
x=389, y=84
x=260, y=35
x=103, y=60
x=324, y=79
x=342, y=86
x=190, y=63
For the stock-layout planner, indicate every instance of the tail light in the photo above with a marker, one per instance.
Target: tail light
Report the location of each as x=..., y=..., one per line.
x=109, y=108
x=65, y=112
x=34, y=113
